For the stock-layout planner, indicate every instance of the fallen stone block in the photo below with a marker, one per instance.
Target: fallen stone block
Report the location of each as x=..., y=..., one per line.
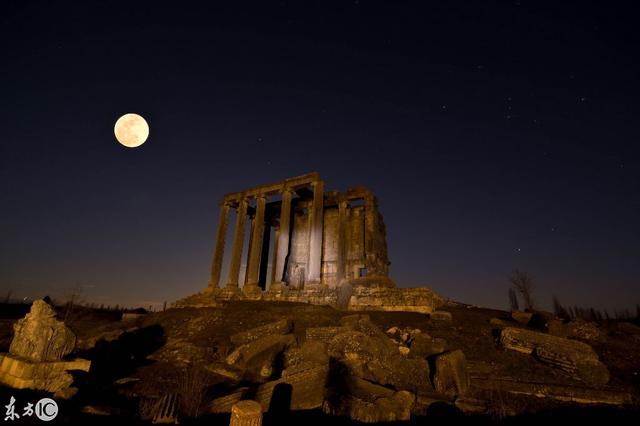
x=357, y=346
x=304, y=389
x=39, y=336
x=521, y=317
x=451, y=376
x=166, y=409
x=411, y=374
x=581, y=395
x=575, y=358
x=310, y=354
x=257, y=357
x=558, y=328
x=223, y=404
x=363, y=324
x=471, y=405
x=424, y=346
x=586, y=330
x=246, y=413
x=369, y=403
x=283, y=326
x=50, y=376
x=324, y=334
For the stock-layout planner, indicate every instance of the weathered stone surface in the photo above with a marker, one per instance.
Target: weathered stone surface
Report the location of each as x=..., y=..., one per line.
x=573, y=357
x=22, y=374
x=166, y=409
x=451, y=377
x=307, y=388
x=370, y=403
x=283, y=326
x=422, y=300
x=246, y=413
x=35, y=358
x=257, y=357
x=581, y=395
x=586, y=330
x=354, y=345
x=223, y=404
x=441, y=316
x=558, y=328
x=471, y=405
x=324, y=334
x=424, y=346
x=521, y=317
x=39, y=336
x=310, y=354
x=411, y=374
x=363, y=324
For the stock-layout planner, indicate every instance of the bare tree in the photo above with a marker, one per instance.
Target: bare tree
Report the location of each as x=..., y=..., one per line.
x=513, y=300
x=523, y=284
x=74, y=304
x=559, y=310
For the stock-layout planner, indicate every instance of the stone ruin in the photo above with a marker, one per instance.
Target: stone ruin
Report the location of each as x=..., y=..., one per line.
x=328, y=247
x=35, y=358
x=353, y=369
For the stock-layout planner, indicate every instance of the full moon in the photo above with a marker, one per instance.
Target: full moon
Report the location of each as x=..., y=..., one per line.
x=131, y=130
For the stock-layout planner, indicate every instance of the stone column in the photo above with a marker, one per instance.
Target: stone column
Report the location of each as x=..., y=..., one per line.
x=255, y=251
x=246, y=413
x=370, y=225
x=315, y=234
x=284, y=234
x=218, y=254
x=342, y=241
x=238, y=240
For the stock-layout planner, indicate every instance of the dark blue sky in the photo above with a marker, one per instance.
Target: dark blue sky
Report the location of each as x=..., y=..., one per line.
x=497, y=135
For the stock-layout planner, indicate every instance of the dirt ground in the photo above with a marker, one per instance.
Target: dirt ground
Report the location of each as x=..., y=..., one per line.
x=155, y=351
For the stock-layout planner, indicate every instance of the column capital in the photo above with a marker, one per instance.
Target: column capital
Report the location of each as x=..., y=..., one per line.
x=287, y=189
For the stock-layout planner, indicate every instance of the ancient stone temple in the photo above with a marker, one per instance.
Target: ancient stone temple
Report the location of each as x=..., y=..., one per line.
x=321, y=238
x=305, y=244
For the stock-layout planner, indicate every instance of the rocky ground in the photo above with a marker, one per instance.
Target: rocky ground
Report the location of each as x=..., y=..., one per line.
x=474, y=364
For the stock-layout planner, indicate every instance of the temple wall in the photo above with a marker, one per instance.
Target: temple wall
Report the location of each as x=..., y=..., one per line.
x=299, y=254
x=355, y=242
x=330, y=247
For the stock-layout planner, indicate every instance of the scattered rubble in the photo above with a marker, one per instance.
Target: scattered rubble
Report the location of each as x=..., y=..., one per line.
x=575, y=358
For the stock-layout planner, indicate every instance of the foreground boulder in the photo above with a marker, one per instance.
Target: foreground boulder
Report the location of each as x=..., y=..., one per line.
x=400, y=373
x=424, y=346
x=575, y=358
x=296, y=390
x=39, y=336
x=35, y=358
x=368, y=402
x=283, y=326
x=451, y=377
x=257, y=358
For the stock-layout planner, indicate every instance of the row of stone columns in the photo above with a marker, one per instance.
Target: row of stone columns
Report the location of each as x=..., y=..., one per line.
x=281, y=248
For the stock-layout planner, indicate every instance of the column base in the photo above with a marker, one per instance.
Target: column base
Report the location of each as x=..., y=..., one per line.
x=252, y=291
x=313, y=285
x=228, y=293
x=278, y=287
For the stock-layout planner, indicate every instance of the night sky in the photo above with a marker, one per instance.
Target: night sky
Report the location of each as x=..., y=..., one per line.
x=496, y=135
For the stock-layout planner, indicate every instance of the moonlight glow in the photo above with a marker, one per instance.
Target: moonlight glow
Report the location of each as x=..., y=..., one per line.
x=131, y=130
